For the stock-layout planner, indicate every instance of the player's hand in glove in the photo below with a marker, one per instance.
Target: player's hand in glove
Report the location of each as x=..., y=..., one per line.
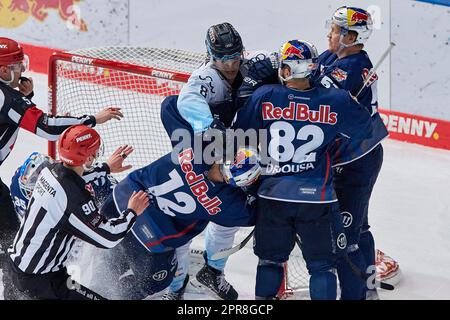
x=108, y=114
x=264, y=70
x=138, y=202
x=26, y=86
x=115, y=161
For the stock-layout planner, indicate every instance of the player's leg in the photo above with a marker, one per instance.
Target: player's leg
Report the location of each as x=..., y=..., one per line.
x=181, y=278
x=323, y=243
x=212, y=275
x=9, y=225
x=353, y=185
x=149, y=272
x=274, y=241
x=50, y=286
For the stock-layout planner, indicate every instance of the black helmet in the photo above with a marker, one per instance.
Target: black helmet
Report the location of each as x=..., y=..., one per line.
x=223, y=40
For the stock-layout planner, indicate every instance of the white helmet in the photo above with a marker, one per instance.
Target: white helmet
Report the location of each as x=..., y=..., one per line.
x=353, y=19
x=244, y=170
x=30, y=170
x=300, y=56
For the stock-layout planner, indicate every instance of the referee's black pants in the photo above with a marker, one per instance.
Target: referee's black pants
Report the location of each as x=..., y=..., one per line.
x=50, y=286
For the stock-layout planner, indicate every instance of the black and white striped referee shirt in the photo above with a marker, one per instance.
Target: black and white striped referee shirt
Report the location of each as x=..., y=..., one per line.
x=17, y=111
x=60, y=210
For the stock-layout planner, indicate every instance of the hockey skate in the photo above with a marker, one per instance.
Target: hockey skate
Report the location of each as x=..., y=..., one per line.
x=177, y=295
x=214, y=281
x=388, y=270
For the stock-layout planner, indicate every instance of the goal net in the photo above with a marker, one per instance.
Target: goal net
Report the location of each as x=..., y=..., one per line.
x=136, y=80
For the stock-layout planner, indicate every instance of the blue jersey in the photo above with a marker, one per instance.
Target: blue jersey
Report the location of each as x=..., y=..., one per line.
x=98, y=181
x=301, y=128
x=349, y=73
x=184, y=201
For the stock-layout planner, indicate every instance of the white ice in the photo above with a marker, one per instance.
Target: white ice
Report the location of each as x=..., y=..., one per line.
x=409, y=214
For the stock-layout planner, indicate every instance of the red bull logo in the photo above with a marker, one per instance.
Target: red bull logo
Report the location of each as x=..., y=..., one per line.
x=241, y=156
x=290, y=51
x=14, y=13
x=356, y=17
x=339, y=74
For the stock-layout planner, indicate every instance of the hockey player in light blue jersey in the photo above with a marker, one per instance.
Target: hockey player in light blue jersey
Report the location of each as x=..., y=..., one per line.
x=208, y=101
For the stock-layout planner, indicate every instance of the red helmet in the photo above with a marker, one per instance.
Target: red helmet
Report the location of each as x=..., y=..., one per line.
x=77, y=143
x=10, y=52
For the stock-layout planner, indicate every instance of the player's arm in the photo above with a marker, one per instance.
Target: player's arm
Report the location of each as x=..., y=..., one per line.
x=357, y=122
x=193, y=103
x=260, y=72
x=22, y=111
x=86, y=223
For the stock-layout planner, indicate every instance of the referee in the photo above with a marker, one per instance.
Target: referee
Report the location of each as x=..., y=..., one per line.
x=60, y=210
x=18, y=111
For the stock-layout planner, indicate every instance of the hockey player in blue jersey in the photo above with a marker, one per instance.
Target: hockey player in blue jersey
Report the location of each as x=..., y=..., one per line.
x=185, y=197
x=296, y=195
x=207, y=103
x=346, y=65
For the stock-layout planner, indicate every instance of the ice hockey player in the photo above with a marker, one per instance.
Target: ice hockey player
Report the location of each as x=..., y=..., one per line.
x=186, y=196
x=207, y=102
x=18, y=111
x=346, y=65
x=296, y=194
x=62, y=209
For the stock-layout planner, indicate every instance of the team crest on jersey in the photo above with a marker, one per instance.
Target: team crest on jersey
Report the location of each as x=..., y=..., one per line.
x=373, y=77
x=339, y=74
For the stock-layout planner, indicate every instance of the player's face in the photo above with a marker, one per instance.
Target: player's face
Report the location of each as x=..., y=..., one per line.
x=14, y=70
x=333, y=38
x=229, y=68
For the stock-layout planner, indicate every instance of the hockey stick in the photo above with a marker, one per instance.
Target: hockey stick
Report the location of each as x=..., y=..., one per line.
x=357, y=271
x=372, y=71
x=229, y=252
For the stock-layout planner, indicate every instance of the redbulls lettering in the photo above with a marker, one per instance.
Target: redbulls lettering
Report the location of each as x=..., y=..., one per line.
x=199, y=188
x=299, y=112
x=197, y=183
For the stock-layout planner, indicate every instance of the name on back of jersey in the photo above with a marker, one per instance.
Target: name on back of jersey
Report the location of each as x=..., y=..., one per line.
x=299, y=112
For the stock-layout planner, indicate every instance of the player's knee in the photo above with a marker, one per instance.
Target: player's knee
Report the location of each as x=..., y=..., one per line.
x=317, y=266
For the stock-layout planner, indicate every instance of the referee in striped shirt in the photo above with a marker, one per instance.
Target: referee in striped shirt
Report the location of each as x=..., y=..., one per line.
x=60, y=210
x=17, y=110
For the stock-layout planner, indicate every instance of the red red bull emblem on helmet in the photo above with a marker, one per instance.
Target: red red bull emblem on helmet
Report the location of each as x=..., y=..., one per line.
x=354, y=16
x=290, y=51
